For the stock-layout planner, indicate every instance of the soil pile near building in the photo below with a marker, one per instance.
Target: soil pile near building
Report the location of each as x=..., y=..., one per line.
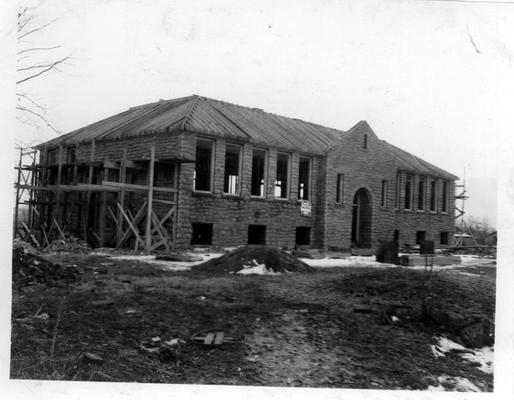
x=254, y=259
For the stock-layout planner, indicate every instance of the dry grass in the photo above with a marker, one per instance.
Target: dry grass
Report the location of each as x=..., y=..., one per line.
x=300, y=328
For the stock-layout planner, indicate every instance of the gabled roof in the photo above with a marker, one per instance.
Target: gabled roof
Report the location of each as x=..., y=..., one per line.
x=211, y=117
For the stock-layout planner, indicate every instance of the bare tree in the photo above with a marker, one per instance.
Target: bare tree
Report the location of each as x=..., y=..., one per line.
x=34, y=61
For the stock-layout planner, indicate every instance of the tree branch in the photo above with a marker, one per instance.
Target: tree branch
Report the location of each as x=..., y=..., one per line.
x=34, y=30
x=38, y=48
x=34, y=66
x=35, y=103
x=39, y=116
x=51, y=66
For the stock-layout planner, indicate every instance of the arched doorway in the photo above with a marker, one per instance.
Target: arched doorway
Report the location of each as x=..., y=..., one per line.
x=361, y=219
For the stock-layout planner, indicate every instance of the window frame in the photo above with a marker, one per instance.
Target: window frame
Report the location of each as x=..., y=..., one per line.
x=384, y=192
x=264, y=175
x=288, y=177
x=409, y=179
x=309, y=179
x=421, y=206
x=212, y=144
x=433, y=195
x=445, y=189
x=398, y=191
x=239, y=170
x=340, y=189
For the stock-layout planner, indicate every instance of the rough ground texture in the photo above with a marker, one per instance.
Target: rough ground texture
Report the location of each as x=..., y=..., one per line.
x=329, y=328
x=273, y=258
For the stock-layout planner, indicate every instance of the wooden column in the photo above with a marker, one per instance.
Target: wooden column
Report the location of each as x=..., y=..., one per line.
x=148, y=234
x=103, y=208
x=58, y=215
x=175, y=200
x=15, y=223
x=121, y=200
x=88, y=196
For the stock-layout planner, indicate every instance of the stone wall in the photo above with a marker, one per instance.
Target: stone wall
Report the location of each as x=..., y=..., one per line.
x=367, y=168
x=232, y=214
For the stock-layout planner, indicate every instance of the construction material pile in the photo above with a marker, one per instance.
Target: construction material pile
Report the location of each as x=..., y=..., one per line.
x=262, y=260
x=29, y=269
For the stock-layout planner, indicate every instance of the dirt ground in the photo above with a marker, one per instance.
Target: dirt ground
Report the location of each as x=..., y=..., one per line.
x=299, y=329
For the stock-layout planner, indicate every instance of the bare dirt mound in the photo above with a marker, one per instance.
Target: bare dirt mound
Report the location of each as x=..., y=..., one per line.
x=254, y=259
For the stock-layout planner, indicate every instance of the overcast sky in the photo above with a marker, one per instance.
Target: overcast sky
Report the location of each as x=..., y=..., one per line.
x=429, y=76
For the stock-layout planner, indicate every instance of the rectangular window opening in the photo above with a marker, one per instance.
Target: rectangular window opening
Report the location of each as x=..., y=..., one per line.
x=258, y=173
x=397, y=191
x=340, y=188
x=71, y=155
x=408, y=193
x=420, y=236
x=164, y=175
x=256, y=234
x=421, y=195
x=304, y=175
x=303, y=235
x=444, y=199
x=433, y=195
x=281, y=183
x=202, y=234
x=383, y=197
x=444, y=239
x=231, y=183
x=203, y=166
x=51, y=157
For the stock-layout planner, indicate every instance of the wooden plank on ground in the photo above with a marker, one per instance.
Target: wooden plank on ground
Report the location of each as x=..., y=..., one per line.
x=219, y=338
x=209, y=338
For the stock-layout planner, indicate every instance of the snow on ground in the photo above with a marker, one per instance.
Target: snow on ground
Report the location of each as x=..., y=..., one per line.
x=353, y=261
x=169, y=265
x=470, y=259
x=256, y=268
x=483, y=356
x=456, y=383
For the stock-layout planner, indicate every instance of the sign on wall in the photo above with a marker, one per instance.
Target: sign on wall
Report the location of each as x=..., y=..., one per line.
x=305, y=208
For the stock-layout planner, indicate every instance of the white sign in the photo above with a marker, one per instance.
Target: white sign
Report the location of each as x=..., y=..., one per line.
x=305, y=208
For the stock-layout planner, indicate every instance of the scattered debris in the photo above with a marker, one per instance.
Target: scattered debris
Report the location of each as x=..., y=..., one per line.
x=215, y=338
x=30, y=269
x=270, y=258
x=70, y=245
x=166, y=350
x=93, y=358
x=105, y=302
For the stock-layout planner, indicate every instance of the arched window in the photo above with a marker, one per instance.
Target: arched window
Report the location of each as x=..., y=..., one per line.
x=365, y=141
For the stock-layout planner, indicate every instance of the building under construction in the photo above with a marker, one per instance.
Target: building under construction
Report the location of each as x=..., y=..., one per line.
x=197, y=171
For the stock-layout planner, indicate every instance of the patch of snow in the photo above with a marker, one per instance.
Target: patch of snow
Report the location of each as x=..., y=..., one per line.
x=132, y=257
x=256, y=268
x=468, y=274
x=168, y=265
x=483, y=356
x=470, y=259
x=434, y=268
x=457, y=383
x=353, y=261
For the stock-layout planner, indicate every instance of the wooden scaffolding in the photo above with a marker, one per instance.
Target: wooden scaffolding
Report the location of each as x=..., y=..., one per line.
x=97, y=200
